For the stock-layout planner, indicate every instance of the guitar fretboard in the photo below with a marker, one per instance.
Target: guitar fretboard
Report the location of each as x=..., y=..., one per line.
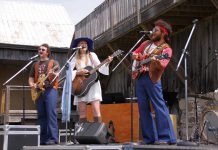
x=116, y=53
x=99, y=66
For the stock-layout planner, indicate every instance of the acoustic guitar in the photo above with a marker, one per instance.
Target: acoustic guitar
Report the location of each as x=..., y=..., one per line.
x=35, y=93
x=82, y=83
x=137, y=70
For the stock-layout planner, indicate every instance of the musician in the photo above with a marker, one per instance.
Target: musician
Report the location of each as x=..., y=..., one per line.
x=149, y=88
x=86, y=57
x=47, y=101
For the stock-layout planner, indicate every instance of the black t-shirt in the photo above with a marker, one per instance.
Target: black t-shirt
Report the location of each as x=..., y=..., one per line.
x=43, y=68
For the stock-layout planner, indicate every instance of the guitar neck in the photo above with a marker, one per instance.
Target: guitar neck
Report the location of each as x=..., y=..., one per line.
x=145, y=61
x=43, y=79
x=115, y=54
x=97, y=67
x=150, y=59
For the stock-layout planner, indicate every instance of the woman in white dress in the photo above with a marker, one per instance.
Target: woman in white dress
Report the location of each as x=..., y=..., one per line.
x=85, y=57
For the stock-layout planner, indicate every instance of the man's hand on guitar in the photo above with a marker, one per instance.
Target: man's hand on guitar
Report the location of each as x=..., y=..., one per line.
x=37, y=87
x=52, y=73
x=135, y=56
x=138, y=56
x=33, y=86
x=144, y=69
x=154, y=58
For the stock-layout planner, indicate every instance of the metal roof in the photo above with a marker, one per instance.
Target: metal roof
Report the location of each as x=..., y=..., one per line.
x=29, y=23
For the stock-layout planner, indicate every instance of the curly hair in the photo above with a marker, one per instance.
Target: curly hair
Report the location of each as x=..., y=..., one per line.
x=165, y=27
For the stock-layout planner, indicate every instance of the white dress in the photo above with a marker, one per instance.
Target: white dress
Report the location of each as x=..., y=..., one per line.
x=95, y=90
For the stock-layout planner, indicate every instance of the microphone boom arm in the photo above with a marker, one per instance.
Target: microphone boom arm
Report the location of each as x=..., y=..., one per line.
x=65, y=65
x=18, y=72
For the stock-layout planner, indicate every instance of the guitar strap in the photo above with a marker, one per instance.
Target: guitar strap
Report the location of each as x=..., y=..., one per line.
x=159, y=49
x=147, y=48
x=36, y=68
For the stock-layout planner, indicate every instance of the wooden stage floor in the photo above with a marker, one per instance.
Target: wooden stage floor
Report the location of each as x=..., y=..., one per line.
x=121, y=147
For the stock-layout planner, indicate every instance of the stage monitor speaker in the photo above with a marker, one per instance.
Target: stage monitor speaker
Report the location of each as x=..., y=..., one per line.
x=91, y=133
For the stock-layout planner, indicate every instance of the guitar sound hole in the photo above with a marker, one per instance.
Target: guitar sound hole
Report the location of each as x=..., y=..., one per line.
x=87, y=75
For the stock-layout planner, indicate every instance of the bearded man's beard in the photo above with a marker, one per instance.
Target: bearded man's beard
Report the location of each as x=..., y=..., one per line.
x=157, y=38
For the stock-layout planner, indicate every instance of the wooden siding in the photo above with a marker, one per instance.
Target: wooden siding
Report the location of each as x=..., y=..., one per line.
x=202, y=59
x=202, y=62
x=20, y=53
x=107, y=15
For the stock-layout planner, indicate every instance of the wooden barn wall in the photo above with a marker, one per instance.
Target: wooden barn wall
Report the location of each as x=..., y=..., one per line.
x=120, y=82
x=16, y=95
x=25, y=54
x=108, y=15
x=201, y=49
x=201, y=62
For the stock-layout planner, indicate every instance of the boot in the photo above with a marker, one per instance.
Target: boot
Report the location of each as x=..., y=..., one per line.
x=98, y=119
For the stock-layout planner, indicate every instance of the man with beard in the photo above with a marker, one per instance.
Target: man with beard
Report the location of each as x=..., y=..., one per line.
x=148, y=86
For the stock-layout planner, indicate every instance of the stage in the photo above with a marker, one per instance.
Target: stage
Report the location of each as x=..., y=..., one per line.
x=121, y=147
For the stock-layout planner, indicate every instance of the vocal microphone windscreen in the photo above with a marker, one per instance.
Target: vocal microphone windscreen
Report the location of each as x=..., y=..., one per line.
x=34, y=57
x=146, y=32
x=75, y=48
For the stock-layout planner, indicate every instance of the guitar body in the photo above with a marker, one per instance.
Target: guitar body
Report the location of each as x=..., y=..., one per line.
x=82, y=84
x=137, y=72
x=142, y=64
x=35, y=93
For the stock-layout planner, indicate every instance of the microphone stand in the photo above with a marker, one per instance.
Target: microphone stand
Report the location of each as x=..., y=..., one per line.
x=65, y=66
x=21, y=70
x=184, y=54
x=131, y=87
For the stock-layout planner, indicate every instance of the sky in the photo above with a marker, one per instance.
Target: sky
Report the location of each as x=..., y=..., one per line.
x=77, y=9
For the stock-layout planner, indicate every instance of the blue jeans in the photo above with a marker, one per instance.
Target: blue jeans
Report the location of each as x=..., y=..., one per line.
x=161, y=129
x=47, y=115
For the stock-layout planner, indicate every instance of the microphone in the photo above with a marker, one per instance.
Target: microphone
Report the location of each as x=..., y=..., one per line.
x=34, y=57
x=195, y=20
x=75, y=48
x=146, y=32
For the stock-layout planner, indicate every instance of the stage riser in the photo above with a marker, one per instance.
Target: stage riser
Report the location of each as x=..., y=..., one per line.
x=168, y=147
x=75, y=147
x=120, y=147
x=14, y=137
